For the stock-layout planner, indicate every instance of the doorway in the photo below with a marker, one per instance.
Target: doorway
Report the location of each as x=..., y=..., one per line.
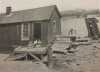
x=37, y=31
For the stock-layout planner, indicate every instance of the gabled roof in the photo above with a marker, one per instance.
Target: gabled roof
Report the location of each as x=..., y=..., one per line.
x=42, y=13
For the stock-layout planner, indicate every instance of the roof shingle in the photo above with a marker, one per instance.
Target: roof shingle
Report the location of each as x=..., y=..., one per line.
x=42, y=13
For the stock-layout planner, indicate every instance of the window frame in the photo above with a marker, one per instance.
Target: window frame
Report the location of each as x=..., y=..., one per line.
x=22, y=32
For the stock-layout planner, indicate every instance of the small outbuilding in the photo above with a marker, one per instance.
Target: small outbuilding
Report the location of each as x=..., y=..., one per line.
x=20, y=27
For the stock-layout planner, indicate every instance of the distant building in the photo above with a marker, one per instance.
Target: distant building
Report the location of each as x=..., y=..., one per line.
x=20, y=27
x=77, y=20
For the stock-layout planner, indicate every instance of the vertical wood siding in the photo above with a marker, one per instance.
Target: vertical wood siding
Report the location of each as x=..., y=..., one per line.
x=55, y=17
x=8, y=36
x=44, y=31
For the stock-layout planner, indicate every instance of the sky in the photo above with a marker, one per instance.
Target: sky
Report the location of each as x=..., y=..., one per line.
x=62, y=5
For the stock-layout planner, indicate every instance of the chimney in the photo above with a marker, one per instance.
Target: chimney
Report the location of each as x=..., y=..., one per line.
x=8, y=10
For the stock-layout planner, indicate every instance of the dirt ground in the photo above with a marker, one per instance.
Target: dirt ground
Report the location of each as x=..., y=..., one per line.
x=21, y=66
x=85, y=59
x=91, y=67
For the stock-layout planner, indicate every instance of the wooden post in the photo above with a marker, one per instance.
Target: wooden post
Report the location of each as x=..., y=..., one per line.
x=49, y=53
x=26, y=57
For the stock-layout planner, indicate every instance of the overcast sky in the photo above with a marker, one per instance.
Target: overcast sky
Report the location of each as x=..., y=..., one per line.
x=62, y=4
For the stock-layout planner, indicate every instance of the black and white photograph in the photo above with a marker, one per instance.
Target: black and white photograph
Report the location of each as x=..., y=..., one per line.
x=49, y=35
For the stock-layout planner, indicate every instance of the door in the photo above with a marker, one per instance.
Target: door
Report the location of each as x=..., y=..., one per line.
x=37, y=31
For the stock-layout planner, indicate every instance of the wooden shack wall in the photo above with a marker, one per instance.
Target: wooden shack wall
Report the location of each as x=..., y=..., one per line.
x=51, y=31
x=31, y=31
x=8, y=36
x=31, y=37
x=44, y=31
x=57, y=18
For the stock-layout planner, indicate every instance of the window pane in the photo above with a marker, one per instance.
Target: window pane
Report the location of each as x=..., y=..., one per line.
x=25, y=30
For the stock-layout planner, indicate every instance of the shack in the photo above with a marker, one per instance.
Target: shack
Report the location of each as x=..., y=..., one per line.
x=20, y=27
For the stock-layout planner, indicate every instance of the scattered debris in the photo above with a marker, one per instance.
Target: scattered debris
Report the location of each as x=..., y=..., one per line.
x=71, y=56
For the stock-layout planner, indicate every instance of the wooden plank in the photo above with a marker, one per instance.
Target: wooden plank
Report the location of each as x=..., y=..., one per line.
x=34, y=56
x=32, y=50
x=16, y=57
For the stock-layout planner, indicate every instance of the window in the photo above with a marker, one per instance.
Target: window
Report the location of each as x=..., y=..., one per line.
x=25, y=31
